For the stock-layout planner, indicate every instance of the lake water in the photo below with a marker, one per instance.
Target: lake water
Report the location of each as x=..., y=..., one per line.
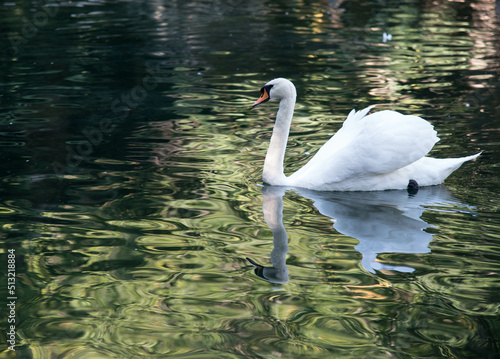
x=131, y=192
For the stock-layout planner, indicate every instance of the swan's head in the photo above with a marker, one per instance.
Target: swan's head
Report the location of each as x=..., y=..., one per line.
x=277, y=89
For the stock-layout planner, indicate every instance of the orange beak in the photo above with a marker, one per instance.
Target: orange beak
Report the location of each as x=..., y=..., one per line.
x=264, y=97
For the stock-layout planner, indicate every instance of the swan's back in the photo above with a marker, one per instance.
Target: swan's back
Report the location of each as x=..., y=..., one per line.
x=367, y=146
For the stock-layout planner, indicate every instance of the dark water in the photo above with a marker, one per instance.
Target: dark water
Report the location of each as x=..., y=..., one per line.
x=130, y=181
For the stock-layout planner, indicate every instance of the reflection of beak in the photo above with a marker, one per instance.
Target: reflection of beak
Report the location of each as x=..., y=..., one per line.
x=254, y=263
x=263, y=98
x=258, y=268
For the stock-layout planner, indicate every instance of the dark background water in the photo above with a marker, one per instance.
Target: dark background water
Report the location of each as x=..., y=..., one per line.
x=130, y=180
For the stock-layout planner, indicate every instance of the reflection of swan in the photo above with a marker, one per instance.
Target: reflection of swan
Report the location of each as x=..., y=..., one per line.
x=384, y=150
x=382, y=222
x=272, y=207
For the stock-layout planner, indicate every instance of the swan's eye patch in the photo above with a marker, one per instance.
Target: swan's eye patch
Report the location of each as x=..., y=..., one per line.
x=264, y=95
x=266, y=88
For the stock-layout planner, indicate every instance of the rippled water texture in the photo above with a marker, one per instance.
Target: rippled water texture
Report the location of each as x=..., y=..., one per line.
x=131, y=191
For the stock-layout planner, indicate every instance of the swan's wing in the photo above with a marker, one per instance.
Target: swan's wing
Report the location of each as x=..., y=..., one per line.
x=349, y=130
x=370, y=145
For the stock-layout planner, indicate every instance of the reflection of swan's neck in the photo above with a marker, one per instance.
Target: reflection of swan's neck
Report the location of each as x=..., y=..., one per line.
x=272, y=208
x=273, y=165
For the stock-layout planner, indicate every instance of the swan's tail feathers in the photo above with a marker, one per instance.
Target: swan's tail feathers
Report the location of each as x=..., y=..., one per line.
x=451, y=164
x=472, y=157
x=438, y=169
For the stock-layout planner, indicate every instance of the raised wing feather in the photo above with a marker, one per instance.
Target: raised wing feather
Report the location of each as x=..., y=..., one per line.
x=369, y=145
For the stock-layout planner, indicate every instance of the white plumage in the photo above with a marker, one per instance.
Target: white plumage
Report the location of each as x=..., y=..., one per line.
x=380, y=151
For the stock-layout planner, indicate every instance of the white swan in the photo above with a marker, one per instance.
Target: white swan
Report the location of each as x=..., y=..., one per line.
x=381, y=151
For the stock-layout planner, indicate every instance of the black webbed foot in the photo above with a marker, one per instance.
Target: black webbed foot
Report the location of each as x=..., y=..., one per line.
x=413, y=187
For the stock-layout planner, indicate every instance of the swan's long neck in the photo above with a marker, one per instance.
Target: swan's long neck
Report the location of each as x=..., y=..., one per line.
x=273, y=165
